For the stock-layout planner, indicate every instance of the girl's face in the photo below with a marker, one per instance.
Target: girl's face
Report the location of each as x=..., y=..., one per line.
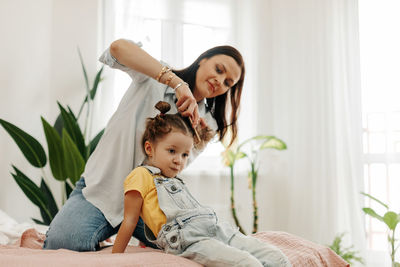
x=215, y=76
x=170, y=153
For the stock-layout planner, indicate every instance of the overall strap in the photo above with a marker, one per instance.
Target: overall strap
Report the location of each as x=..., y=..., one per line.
x=156, y=172
x=153, y=170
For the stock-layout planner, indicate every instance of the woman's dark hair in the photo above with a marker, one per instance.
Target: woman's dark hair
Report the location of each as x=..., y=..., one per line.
x=162, y=124
x=218, y=104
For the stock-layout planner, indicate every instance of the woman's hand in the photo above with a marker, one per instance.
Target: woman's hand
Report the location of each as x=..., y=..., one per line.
x=186, y=104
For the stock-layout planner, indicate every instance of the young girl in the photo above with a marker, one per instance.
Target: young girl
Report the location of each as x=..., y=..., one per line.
x=174, y=220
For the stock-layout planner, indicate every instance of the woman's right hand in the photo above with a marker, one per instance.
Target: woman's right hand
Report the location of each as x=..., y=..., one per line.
x=132, y=56
x=186, y=104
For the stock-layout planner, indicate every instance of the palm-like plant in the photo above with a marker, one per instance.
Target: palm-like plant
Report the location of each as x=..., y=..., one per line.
x=68, y=152
x=252, y=146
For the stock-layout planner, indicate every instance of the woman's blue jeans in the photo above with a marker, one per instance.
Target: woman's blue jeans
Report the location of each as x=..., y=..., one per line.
x=80, y=226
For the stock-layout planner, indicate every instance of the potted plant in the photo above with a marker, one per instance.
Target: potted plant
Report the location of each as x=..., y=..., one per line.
x=68, y=151
x=391, y=219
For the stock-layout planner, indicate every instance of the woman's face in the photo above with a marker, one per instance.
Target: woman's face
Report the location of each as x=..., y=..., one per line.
x=215, y=76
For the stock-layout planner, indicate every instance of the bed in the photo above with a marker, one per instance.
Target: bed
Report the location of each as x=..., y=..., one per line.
x=20, y=245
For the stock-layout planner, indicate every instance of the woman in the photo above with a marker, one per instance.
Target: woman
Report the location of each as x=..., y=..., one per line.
x=94, y=210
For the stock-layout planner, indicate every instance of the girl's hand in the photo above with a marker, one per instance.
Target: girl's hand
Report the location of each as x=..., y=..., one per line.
x=132, y=206
x=186, y=104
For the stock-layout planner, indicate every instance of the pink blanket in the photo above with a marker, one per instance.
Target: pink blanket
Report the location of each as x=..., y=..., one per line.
x=27, y=252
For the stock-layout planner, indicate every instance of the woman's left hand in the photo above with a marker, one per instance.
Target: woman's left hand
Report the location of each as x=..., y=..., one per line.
x=186, y=104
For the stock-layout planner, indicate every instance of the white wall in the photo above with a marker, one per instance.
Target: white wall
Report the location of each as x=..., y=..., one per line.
x=40, y=65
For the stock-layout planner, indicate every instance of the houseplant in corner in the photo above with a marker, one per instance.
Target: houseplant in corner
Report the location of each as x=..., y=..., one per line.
x=249, y=149
x=391, y=219
x=68, y=151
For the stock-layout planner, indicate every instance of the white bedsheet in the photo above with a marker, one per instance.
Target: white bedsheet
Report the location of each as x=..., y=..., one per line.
x=11, y=230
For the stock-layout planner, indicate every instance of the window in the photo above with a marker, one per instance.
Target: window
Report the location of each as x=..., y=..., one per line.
x=176, y=32
x=380, y=68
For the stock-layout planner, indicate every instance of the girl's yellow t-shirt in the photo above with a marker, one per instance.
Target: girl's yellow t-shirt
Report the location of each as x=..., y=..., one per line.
x=141, y=180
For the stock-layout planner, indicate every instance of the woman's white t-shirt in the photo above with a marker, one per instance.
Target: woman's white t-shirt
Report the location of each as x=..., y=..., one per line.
x=119, y=150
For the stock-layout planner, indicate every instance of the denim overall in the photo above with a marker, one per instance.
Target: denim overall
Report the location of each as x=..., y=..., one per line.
x=193, y=231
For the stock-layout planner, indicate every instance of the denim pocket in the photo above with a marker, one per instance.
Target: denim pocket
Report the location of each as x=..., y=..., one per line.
x=180, y=196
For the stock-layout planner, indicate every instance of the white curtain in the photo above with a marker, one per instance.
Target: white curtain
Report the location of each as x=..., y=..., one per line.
x=304, y=56
x=302, y=85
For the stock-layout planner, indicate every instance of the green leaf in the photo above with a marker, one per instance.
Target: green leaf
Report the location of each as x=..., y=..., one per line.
x=71, y=113
x=56, y=154
x=74, y=161
x=72, y=127
x=377, y=200
x=230, y=157
x=93, y=91
x=372, y=213
x=84, y=69
x=391, y=219
x=280, y=145
x=29, y=146
x=273, y=142
x=259, y=137
x=93, y=144
x=45, y=217
x=51, y=203
x=347, y=253
x=240, y=155
x=59, y=124
x=32, y=191
x=96, y=82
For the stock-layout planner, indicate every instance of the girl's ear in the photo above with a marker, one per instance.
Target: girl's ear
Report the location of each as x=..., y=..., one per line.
x=148, y=148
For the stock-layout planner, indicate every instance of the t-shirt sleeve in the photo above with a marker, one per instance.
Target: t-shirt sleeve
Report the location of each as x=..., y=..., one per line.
x=140, y=180
x=112, y=62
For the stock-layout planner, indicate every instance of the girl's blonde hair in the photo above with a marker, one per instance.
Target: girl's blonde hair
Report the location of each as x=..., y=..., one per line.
x=162, y=124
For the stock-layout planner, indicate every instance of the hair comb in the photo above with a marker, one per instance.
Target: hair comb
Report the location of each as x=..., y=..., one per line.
x=194, y=129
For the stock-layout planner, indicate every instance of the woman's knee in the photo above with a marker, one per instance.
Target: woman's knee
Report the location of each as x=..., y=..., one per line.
x=68, y=237
x=78, y=226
